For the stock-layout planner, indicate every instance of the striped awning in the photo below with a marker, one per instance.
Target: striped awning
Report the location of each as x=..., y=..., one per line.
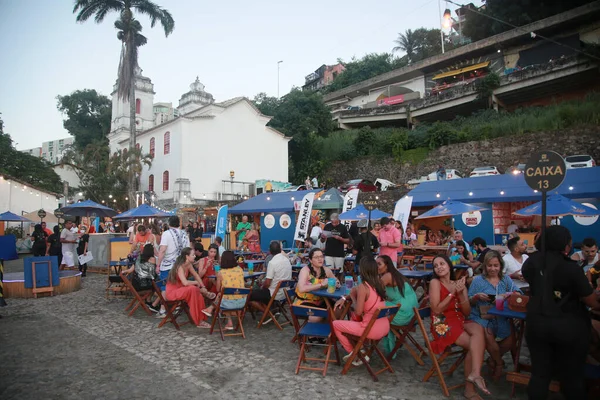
x=462, y=70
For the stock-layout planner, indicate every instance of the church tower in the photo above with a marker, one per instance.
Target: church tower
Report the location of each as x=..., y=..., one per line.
x=144, y=113
x=194, y=99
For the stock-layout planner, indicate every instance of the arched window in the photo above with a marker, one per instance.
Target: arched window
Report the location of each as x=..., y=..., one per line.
x=152, y=147
x=138, y=105
x=151, y=183
x=167, y=148
x=166, y=181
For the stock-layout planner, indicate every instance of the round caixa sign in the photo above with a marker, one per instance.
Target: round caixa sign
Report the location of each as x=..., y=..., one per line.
x=285, y=221
x=545, y=170
x=471, y=219
x=585, y=220
x=269, y=221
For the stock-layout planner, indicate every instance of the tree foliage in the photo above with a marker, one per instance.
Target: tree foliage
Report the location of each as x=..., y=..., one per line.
x=87, y=115
x=517, y=13
x=25, y=167
x=420, y=44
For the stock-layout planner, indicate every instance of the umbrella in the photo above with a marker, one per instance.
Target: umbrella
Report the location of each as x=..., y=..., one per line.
x=8, y=216
x=87, y=208
x=449, y=208
x=330, y=200
x=143, y=211
x=556, y=206
x=360, y=212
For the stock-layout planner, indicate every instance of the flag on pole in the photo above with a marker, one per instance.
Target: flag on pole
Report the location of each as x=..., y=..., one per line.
x=402, y=210
x=303, y=222
x=350, y=201
x=221, y=228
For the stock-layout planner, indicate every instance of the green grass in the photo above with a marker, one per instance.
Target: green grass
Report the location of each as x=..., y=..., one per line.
x=414, y=156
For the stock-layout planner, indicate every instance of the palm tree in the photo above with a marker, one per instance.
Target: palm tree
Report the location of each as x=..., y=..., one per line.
x=407, y=42
x=131, y=38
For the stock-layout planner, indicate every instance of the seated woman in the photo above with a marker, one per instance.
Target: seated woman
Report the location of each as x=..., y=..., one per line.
x=367, y=298
x=253, y=238
x=206, y=268
x=314, y=276
x=398, y=291
x=449, y=307
x=180, y=288
x=482, y=293
x=144, y=272
x=463, y=255
x=230, y=276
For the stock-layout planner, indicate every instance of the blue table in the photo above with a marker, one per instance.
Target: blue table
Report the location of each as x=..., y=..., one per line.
x=247, y=261
x=331, y=298
x=244, y=253
x=418, y=278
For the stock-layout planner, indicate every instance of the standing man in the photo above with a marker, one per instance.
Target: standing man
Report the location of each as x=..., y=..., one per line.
x=441, y=173
x=336, y=235
x=268, y=187
x=219, y=242
x=512, y=228
x=171, y=243
x=48, y=231
x=315, y=182
x=242, y=228
x=513, y=261
x=390, y=241
x=69, y=244
x=365, y=243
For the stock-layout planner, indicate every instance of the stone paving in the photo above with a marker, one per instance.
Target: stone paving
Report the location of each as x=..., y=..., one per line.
x=83, y=346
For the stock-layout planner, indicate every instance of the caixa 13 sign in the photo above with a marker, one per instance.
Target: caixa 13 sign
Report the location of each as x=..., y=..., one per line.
x=545, y=171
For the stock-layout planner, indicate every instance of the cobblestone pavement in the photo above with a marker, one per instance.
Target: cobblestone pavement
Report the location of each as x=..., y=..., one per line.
x=83, y=346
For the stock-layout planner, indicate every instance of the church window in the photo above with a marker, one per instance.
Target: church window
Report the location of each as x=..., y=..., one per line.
x=167, y=148
x=151, y=183
x=152, y=147
x=166, y=181
x=138, y=105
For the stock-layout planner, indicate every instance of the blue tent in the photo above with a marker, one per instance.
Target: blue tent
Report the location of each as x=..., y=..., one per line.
x=143, y=211
x=8, y=216
x=88, y=208
x=557, y=205
x=270, y=202
x=449, y=208
x=360, y=212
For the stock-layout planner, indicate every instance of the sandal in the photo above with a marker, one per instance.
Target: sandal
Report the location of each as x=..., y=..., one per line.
x=211, y=296
x=204, y=325
x=479, y=383
x=206, y=312
x=229, y=328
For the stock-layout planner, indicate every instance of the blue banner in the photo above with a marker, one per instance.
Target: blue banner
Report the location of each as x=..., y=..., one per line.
x=221, y=228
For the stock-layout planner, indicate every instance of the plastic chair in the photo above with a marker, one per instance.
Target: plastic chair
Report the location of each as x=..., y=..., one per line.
x=278, y=304
x=238, y=313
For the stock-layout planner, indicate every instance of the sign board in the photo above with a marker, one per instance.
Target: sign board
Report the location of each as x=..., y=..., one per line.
x=586, y=221
x=285, y=221
x=58, y=214
x=42, y=213
x=545, y=171
x=371, y=202
x=269, y=221
x=471, y=219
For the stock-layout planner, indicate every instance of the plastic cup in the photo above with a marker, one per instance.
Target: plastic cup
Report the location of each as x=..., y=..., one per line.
x=217, y=269
x=349, y=283
x=500, y=302
x=331, y=285
x=250, y=268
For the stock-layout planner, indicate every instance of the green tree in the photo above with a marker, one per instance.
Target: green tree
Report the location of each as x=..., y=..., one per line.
x=88, y=115
x=266, y=104
x=406, y=42
x=129, y=34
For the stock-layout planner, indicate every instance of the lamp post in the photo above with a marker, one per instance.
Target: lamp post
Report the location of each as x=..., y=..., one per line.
x=278, y=63
x=231, y=176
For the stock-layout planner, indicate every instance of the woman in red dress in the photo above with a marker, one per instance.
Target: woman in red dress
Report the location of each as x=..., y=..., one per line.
x=206, y=268
x=180, y=288
x=450, y=306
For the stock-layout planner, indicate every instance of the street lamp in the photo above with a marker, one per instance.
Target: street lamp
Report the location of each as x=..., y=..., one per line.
x=231, y=176
x=442, y=23
x=278, y=63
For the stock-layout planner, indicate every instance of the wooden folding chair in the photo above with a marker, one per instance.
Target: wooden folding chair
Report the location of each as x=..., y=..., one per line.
x=220, y=312
x=318, y=330
x=365, y=347
x=115, y=285
x=173, y=309
x=426, y=262
x=408, y=261
x=278, y=304
x=139, y=297
x=403, y=334
x=451, y=351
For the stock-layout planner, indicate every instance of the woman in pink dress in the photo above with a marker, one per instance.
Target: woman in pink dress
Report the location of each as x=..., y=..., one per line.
x=180, y=288
x=253, y=238
x=367, y=298
x=450, y=306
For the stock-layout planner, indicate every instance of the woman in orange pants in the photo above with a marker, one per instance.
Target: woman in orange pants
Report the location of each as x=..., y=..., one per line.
x=367, y=298
x=180, y=288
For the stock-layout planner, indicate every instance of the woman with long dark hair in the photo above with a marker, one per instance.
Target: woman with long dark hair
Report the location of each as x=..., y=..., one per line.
x=206, y=268
x=367, y=298
x=450, y=306
x=398, y=291
x=38, y=238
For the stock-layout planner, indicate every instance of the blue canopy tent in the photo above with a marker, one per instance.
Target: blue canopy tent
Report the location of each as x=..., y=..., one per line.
x=143, y=211
x=449, y=208
x=360, y=212
x=557, y=205
x=88, y=208
x=11, y=217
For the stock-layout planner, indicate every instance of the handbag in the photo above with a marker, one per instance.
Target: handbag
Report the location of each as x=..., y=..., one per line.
x=518, y=302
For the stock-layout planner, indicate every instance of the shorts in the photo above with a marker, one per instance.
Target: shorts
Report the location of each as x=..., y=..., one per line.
x=335, y=262
x=68, y=259
x=162, y=280
x=261, y=296
x=233, y=303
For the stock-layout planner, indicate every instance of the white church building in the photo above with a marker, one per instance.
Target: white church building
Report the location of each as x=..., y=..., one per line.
x=205, y=150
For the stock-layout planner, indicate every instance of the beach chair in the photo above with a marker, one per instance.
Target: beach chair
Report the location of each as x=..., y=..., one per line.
x=220, y=312
x=365, y=348
x=278, y=305
x=404, y=338
x=315, y=330
x=139, y=297
x=456, y=352
x=173, y=309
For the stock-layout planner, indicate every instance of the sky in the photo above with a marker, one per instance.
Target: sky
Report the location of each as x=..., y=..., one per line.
x=233, y=46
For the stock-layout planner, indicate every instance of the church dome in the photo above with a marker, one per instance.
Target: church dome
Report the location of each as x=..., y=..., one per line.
x=196, y=98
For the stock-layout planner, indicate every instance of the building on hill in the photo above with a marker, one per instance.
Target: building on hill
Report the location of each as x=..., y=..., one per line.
x=322, y=76
x=209, y=151
x=52, y=150
x=164, y=112
x=36, y=151
x=532, y=71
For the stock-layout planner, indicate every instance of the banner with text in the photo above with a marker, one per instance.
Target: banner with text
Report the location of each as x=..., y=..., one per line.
x=303, y=222
x=350, y=201
x=221, y=228
x=402, y=210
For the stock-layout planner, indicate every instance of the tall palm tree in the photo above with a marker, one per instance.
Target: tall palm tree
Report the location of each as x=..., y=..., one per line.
x=130, y=37
x=406, y=42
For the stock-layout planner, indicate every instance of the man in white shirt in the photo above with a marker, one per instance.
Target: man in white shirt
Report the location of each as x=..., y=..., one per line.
x=279, y=269
x=513, y=261
x=219, y=242
x=588, y=256
x=68, y=238
x=458, y=235
x=512, y=228
x=409, y=236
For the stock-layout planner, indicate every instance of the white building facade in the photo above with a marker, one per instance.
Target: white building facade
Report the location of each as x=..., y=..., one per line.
x=54, y=150
x=21, y=198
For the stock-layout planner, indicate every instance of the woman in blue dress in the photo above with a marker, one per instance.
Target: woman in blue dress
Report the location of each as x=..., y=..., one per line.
x=482, y=293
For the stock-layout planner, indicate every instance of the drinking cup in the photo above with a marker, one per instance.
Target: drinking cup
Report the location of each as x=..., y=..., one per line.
x=250, y=268
x=500, y=302
x=331, y=285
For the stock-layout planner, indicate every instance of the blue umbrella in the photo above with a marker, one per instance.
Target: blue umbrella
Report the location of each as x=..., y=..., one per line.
x=8, y=216
x=360, y=212
x=449, y=208
x=143, y=211
x=87, y=208
x=556, y=206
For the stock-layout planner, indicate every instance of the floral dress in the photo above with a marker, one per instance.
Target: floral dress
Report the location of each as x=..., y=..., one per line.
x=448, y=326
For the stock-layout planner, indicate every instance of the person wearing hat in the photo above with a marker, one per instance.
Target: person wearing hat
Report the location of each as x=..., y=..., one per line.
x=336, y=235
x=365, y=243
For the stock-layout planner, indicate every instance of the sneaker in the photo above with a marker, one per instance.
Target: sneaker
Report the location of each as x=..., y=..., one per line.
x=152, y=308
x=161, y=314
x=268, y=320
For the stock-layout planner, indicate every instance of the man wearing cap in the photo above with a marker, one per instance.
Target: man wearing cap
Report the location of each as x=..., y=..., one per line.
x=365, y=244
x=336, y=236
x=390, y=240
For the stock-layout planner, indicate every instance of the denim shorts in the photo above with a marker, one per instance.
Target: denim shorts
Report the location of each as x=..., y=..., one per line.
x=162, y=280
x=233, y=304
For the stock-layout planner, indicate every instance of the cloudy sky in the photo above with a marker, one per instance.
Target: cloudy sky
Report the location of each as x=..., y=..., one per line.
x=232, y=45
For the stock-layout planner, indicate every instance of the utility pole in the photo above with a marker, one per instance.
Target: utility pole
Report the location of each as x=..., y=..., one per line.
x=441, y=25
x=278, y=63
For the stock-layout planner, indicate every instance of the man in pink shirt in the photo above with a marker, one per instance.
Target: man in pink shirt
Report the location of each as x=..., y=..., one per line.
x=390, y=240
